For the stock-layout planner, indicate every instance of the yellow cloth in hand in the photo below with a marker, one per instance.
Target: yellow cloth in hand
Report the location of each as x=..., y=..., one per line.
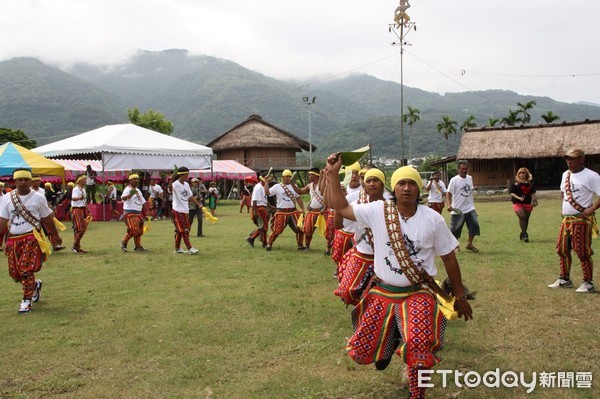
x=300, y=222
x=40, y=236
x=321, y=224
x=58, y=224
x=88, y=218
x=447, y=307
x=209, y=216
x=146, y=225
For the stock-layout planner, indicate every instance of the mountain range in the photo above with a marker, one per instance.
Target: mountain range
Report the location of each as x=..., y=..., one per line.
x=206, y=96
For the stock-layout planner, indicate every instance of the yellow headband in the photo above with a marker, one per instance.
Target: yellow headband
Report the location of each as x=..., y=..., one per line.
x=406, y=172
x=287, y=172
x=134, y=176
x=355, y=167
x=375, y=173
x=314, y=173
x=70, y=184
x=183, y=173
x=80, y=178
x=36, y=178
x=22, y=174
x=362, y=172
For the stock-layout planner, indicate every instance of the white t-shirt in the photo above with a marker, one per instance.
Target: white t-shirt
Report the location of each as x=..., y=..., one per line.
x=462, y=196
x=112, y=192
x=350, y=190
x=34, y=202
x=426, y=236
x=78, y=192
x=584, y=185
x=135, y=203
x=258, y=195
x=156, y=191
x=315, y=195
x=283, y=200
x=181, y=195
x=435, y=195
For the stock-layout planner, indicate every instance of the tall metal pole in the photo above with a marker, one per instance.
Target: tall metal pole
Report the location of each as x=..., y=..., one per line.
x=308, y=104
x=403, y=24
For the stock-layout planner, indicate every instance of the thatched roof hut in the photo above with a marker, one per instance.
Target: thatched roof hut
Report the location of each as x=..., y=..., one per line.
x=496, y=153
x=255, y=132
x=539, y=141
x=258, y=144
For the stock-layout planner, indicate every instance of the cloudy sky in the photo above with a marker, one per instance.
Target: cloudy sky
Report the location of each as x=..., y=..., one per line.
x=533, y=47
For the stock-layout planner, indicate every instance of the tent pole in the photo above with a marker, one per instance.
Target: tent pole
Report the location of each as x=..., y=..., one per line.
x=103, y=182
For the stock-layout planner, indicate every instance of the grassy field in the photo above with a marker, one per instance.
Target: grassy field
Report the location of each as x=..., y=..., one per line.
x=240, y=322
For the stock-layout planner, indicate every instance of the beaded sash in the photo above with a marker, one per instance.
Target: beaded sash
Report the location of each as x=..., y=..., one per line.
x=569, y=193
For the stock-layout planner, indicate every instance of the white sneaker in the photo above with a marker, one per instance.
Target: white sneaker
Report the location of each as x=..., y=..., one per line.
x=25, y=306
x=193, y=251
x=561, y=283
x=37, y=292
x=180, y=251
x=585, y=287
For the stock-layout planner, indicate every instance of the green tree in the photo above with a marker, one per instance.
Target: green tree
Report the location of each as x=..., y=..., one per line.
x=150, y=120
x=512, y=118
x=413, y=116
x=468, y=123
x=446, y=127
x=550, y=117
x=524, y=110
x=17, y=137
x=492, y=122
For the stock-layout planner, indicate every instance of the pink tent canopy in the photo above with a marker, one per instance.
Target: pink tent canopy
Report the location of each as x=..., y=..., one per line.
x=222, y=169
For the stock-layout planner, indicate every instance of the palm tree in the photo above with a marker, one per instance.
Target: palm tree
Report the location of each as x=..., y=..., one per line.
x=512, y=118
x=446, y=127
x=492, y=121
x=413, y=116
x=550, y=117
x=469, y=122
x=524, y=109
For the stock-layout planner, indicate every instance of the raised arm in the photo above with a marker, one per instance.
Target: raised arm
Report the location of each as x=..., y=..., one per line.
x=336, y=195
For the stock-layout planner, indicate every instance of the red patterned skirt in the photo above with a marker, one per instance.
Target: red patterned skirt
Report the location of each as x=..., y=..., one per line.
x=354, y=273
x=24, y=255
x=342, y=242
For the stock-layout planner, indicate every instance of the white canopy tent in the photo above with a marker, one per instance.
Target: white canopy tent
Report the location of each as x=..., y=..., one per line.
x=128, y=146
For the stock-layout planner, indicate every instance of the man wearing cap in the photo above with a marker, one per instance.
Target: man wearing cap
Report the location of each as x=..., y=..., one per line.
x=577, y=187
x=260, y=212
x=79, y=213
x=316, y=207
x=462, y=206
x=182, y=195
x=133, y=205
x=27, y=212
x=287, y=214
x=196, y=211
x=407, y=237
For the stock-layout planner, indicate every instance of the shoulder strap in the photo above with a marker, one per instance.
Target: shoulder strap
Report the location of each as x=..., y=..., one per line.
x=20, y=207
x=407, y=266
x=569, y=193
x=289, y=193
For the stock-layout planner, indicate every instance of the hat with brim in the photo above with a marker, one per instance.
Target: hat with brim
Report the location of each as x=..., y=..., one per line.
x=574, y=153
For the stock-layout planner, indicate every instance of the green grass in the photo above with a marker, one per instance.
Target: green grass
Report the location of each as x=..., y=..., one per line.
x=240, y=322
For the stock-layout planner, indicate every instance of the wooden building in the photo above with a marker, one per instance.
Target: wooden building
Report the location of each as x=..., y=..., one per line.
x=496, y=153
x=260, y=145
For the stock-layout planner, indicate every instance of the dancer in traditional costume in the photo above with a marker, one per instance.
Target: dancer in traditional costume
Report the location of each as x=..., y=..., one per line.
x=578, y=186
x=437, y=192
x=134, y=209
x=79, y=213
x=26, y=248
x=316, y=207
x=182, y=194
x=400, y=312
x=260, y=213
x=355, y=268
x=287, y=213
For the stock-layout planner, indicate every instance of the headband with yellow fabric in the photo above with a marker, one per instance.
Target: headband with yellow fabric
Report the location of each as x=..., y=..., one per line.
x=314, y=173
x=134, y=176
x=406, y=172
x=355, y=167
x=375, y=173
x=287, y=173
x=22, y=174
x=80, y=178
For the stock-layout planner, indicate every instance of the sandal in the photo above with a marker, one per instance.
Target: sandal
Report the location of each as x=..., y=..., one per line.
x=474, y=249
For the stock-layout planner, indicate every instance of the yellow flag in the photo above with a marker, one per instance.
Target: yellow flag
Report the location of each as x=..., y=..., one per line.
x=321, y=224
x=59, y=225
x=209, y=216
